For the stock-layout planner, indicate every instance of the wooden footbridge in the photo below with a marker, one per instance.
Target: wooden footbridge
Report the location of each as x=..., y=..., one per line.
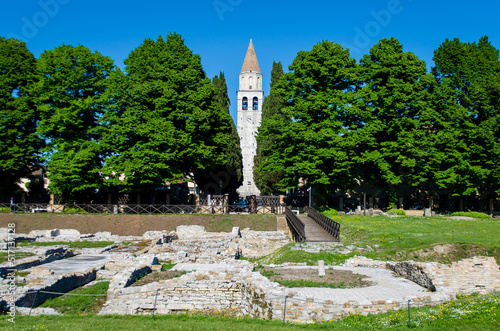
x=315, y=227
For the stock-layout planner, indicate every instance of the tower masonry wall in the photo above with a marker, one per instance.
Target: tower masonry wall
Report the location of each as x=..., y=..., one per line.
x=248, y=125
x=249, y=117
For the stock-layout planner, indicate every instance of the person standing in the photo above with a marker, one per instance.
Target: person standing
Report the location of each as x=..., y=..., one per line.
x=12, y=206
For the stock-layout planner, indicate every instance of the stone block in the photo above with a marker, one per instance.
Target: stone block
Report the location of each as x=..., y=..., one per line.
x=68, y=232
x=190, y=229
x=103, y=234
x=378, y=302
x=41, y=271
x=236, y=232
x=321, y=268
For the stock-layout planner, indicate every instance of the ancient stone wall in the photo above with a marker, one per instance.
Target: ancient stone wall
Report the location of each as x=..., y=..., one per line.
x=36, y=296
x=243, y=293
x=478, y=274
x=412, y=272
x=192, y=292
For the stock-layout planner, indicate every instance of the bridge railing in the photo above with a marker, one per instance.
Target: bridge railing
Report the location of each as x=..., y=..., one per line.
x=296, y=224
x=325, y=222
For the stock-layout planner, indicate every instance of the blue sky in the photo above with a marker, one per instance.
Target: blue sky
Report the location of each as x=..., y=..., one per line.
x=219, y=30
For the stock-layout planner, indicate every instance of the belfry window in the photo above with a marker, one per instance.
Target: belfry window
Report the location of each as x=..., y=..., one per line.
x=255, y=103
x=244, y=103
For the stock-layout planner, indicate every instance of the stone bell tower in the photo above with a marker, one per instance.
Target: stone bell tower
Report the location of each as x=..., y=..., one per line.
x=250, y=96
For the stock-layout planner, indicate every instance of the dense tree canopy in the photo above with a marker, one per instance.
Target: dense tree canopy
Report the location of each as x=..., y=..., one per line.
x=312, y=143
x=268, y=182
x=467, y=98
x=70, y=96
x=390, y=116
x=19, y=143
x=232, y=173
x=330, y=122
x=166, y=125
x=385, y=121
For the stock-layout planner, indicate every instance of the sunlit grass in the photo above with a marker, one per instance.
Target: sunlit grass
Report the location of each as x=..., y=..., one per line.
x=401, y=238
x=417, y=231
x=4, y=256
x=413, y=233
x=475, y=312
x=80, y=300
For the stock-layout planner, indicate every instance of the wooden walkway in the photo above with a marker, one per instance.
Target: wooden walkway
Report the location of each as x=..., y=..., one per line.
x=314, y=232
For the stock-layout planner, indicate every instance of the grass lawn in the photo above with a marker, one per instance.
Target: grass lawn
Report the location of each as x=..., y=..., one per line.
x=417, y=231
x=468, y=313
x=403, y=238
x=80, y=300
x=400, y=236
x=18, y=255
x=285, y=254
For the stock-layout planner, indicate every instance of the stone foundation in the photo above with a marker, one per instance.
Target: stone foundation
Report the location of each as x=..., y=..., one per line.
x=39, y=259
x=63, y=284
x=243, y=293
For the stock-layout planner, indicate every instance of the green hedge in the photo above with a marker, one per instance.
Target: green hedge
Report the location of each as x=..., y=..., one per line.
x=328, y=211
x=470, y=214
x=399, y=212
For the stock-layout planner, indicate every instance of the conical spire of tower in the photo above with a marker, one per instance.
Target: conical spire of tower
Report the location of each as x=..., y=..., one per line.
x=250, y=63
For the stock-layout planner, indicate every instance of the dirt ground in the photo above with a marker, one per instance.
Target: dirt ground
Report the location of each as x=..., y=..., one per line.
x=157, y=276
x=134, y=225
x=334, y=278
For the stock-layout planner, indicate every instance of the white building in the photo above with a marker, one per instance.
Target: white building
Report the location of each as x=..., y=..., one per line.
x=250, y=96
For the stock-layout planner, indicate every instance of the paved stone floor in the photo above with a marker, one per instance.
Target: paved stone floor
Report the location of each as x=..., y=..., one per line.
x=77, y=263
x=387, y=287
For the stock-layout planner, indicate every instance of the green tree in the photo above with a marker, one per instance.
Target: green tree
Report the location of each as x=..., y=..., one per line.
x=232, y=173
x=166, y=125
x=268, y=182
x=391, y=115
x=71, y=98
x=467, y=97
x=19, y=143
x=312, y=143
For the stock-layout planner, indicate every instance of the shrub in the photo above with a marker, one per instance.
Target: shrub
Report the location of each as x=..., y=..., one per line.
x=399, y=212
x=70, y=210
x=328, y=211
x=470, y=214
